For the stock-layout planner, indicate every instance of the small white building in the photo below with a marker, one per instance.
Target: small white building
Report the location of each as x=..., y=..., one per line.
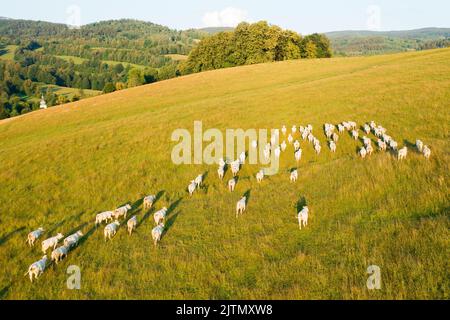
x=43, y=103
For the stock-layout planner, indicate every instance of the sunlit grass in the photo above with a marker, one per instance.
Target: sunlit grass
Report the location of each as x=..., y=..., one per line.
x=63, y=165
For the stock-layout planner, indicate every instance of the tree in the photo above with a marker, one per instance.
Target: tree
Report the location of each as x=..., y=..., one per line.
x=109, y=87
x=135, y=78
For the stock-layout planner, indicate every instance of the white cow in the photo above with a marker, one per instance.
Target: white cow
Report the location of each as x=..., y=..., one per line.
x=241, y=206
x=132, y=224
x=283, y=130
x=34, y=235
x=277, y=152
x=341, y=128
x=303, y=217
x=254, y=144
x=111, y=230
x=148, y=201
x=419, y=145
x=393, y=144
x=51, y=242
x=260, y=176
x=355, y=134
x=363, y=152
x=231, y=184
x=103, y=217
x=366, y=128
x=294, y=129
x=199, y=180
x=294, y=176
x=317, y=148
x=283, y=146
x=160, y=215
x=296, y=145
x=381, y=145
x=402, y=153
x=426, y=152
x=369, y=149
x=242, y=157
x=60, y=253
x=122, y=211
x=37, y=268
x=335, y=137
x=191, y=187
x=220, y=172
x=290, y=139
x=332, y=146
x=157, y=233
x=298, y=155
x=235, y=166
x=222, y=162
x=72, y=240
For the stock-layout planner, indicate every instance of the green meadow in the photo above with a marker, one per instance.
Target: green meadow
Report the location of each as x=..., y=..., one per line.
x=62, y=166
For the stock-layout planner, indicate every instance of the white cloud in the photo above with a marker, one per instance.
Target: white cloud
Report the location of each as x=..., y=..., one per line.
x=228, y=17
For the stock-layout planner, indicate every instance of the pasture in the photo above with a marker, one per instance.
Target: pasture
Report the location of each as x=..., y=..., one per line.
x=62, y=166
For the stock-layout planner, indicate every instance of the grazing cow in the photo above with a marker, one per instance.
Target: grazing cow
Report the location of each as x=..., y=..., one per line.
x=51, y=242
x=366, y=128
x=122, y=211
x=355, y=134
x=231, y=184
x=294, y=175
x=132, y=224
x=369, y=149
x=341, y=128
x=317, y=148
x=283, y=130
x=283, y=146
x=394, y=145
x=72, y=240
x=157, y=233
x=260, y=176
x=160, y=216
x=34, y=235
x=273, y=140
x=332, y=146
x=266, y=154
x=303, y=217
x=191, y=187
x=221, y=172
x=37, y=268
x=402, y=153
x=111, y=230
x=335, y=137
x=426, y=152
x=199, y=180
x=241, y=206
x=366, y=141
x=296, y=145
x=310, y=138
x=242, y=157
x=419, y=145
x=298, y=155
x=363, y=152
x=222, y=163
x=235, y=166
x=148, y=201
x=294, y=129
x=60, y=253
x=103, y=217
x=381, y=145
x=290, y=139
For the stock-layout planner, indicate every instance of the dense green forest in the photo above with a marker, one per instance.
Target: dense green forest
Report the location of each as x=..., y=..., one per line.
x=357, y=43
x=255, y=43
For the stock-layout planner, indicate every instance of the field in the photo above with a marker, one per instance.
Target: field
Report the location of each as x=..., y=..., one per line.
x=78, y=60
x=63, y=165
x=177, y=57
x=9, y=55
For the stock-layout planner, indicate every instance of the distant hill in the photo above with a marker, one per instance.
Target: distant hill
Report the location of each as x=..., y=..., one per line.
x=363, y=42
x=213, y=30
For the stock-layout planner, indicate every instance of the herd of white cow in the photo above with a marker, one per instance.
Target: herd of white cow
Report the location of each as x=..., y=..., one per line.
x=384, y=143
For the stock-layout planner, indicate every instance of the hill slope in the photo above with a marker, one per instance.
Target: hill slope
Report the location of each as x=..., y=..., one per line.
x=63, y=165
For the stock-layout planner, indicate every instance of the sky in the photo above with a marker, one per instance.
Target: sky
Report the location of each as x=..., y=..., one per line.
x=302, y=16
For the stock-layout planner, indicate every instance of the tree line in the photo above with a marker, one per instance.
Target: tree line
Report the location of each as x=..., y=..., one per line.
x=255, y=43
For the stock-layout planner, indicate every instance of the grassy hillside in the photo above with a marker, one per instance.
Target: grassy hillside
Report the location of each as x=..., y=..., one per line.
x=63, y=165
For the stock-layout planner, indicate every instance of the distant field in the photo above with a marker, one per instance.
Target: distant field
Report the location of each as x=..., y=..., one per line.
x=9, y=55
x=76, y=60
x=177, y=57
x=62, y=166
x=69, y=92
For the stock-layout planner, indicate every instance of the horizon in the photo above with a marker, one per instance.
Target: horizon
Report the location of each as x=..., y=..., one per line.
x=304, y=18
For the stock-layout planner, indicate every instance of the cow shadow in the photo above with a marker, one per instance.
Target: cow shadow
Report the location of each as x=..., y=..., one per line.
x=86, y=236
x=247, y=195
x=80, y=227
x=411, y=146
x=4, y=291
x=9, y=235
x=300, y=204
